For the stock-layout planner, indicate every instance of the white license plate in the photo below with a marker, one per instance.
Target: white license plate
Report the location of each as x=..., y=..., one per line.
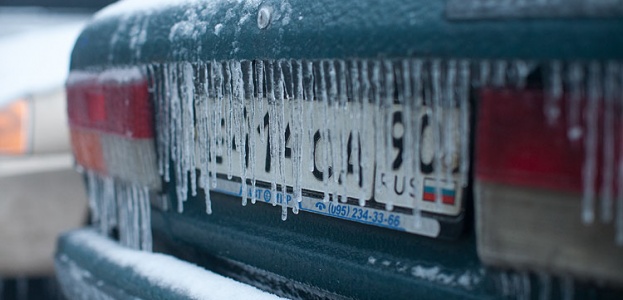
x=378, y=175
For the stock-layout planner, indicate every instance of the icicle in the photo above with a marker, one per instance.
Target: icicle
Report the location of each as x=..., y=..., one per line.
x=201, y=113
x=188, y=126
x=414, y=127
x=554, y=92
x=575, y=77
x=21, y=288
x=308, y=83
x=516, y=287
x=135, y=240
x=333, y=132
x=379, y=126
x=345, y=119
x=123, y=200
x=505, y=284
x=526, y=288
x=156, y=90
x=243, y=126
x=280, y=117
x=260, y=95
x=500, y=72
x=464, y=133
x=437, y=119
x=146, y=237
x=522, y=70
x=324, y=131
x=254, y=117
x=240, y=125
x=485, y=73
x=218, y=77
x=448, y=124
x=273, y=134
x=206, y=115
x=137, y=217
x=92, y=197
x=299, y=124
x=284, y=99
x=608, y=167
x=545, y=290
x=405, y=100
x=167, y=124
x=122, y=220
x=132, y=217
x=109, y=208
x=590, y=144
x=567, y=288
x=229, y=119
x=387, y=110
x=357, y=106
x=177, y=110
x=366, y=156
x=176, y=135
x=213, y=126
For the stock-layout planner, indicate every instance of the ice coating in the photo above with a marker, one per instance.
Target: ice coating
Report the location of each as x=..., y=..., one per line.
x=284, y=122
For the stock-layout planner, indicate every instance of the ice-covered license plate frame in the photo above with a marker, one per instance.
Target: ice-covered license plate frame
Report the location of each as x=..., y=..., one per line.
x=388, y=194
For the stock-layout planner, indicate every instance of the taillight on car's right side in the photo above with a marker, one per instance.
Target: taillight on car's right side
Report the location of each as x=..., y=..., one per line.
x=111, y=123
x=548, y=175
x=112, y=137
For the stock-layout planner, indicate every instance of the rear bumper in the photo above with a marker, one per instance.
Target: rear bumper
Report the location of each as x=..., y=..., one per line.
x=90, y=266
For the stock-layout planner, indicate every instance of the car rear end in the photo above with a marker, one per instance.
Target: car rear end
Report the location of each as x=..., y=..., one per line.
x=443, y=150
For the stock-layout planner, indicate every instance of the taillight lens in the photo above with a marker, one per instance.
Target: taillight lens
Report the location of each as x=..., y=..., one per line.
x=517, y=145
x=111, y=121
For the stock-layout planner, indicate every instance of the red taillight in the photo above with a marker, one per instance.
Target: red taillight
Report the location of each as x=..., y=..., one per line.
x=518, y=145
x=111, y=102
x=111, y=120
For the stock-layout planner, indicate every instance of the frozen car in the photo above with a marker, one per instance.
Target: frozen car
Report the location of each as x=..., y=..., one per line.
x=350, y=149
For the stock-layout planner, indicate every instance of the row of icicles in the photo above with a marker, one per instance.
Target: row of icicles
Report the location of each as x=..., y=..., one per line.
x=207, y=112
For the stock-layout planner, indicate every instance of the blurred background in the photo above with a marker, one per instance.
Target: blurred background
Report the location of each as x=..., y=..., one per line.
x=40, y=193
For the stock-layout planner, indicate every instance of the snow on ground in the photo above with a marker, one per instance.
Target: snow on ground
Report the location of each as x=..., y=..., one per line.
x=165, y=270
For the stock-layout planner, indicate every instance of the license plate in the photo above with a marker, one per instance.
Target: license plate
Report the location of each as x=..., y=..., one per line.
x=390, y=190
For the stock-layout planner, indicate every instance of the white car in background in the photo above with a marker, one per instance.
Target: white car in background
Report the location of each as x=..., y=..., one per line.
x=40, y=193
